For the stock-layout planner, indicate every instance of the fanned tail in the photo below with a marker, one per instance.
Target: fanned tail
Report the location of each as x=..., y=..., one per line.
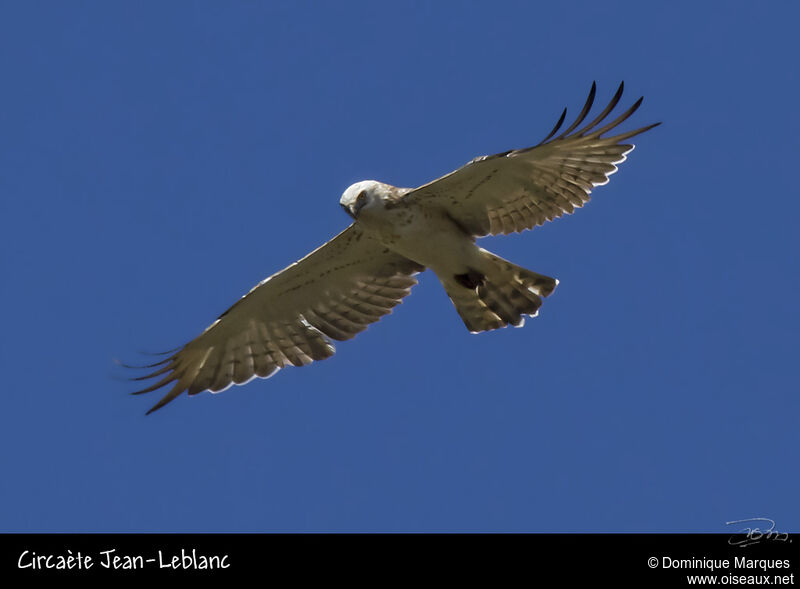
x=498, y=294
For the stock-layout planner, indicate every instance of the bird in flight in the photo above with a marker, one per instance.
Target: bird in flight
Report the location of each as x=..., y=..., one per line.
x=357, y=277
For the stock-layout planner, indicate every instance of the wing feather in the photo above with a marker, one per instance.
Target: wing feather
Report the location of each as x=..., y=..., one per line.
x=517, y=190
x=290, y=318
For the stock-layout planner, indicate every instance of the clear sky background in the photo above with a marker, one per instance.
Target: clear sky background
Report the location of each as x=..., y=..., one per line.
x=158, y=159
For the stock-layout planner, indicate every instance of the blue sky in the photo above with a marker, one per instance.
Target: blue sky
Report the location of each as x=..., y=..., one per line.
x=159, y=159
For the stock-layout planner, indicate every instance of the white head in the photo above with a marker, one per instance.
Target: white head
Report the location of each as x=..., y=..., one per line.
x=363, y=194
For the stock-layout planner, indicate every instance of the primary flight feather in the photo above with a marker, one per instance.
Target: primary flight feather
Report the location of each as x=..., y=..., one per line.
x=337, y=290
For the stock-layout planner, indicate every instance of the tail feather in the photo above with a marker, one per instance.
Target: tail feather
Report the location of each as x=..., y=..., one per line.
x=499, y=294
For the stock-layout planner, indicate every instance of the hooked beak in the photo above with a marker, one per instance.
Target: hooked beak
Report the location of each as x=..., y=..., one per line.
x=348, y=211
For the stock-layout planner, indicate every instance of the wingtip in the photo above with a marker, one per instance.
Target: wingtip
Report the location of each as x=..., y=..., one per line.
x=648, y=127
x=557, y=126
x=140, y=366
x=164, y=353
x=170, y=396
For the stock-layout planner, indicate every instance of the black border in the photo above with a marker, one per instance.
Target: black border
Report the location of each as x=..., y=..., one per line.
x=567, y=558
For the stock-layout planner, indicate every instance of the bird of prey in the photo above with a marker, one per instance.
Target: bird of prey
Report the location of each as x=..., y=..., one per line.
x=357, y=277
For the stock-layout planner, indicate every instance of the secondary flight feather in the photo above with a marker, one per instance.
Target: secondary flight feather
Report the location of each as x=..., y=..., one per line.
x=356, y=278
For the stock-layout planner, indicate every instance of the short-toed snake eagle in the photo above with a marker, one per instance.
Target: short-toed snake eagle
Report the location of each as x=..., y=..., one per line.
x=337, y=290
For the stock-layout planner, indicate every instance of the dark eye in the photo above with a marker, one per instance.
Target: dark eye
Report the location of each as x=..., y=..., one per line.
x=361, y=197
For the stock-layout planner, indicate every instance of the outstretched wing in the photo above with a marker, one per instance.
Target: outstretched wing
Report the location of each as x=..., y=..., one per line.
x=517, y=190
x=334, y=292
